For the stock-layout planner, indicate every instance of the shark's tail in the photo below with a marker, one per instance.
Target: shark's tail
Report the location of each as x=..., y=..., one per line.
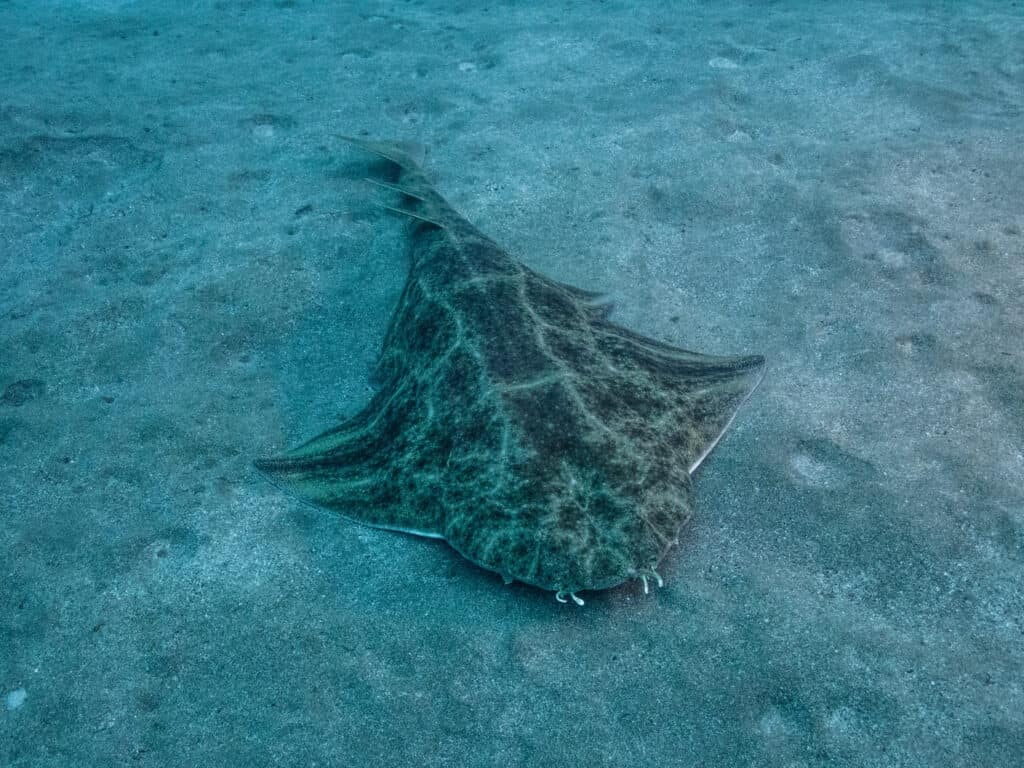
x=422, y=201
x=406, y=154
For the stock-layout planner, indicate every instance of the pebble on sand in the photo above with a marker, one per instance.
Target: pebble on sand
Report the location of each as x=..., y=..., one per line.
x=15, y=698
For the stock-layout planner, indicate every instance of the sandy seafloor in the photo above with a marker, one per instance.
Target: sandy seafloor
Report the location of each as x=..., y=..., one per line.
x=191, y=276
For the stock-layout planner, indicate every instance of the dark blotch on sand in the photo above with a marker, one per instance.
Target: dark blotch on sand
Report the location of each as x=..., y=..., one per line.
x=22, y=391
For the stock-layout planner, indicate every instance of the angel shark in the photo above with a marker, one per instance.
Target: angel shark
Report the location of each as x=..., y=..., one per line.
x=514, y=420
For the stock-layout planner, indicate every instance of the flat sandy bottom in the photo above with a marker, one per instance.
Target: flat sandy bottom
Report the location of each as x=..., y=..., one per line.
x=192, y=276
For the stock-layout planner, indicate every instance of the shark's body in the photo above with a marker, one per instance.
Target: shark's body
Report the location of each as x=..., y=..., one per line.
x=514, y=420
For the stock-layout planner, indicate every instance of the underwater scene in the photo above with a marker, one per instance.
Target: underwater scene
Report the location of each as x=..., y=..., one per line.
x=513, y=384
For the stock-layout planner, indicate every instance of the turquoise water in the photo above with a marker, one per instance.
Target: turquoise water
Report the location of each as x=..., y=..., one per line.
x=193, y=275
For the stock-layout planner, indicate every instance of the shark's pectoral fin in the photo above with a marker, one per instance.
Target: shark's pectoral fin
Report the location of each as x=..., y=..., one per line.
x=356, y=469
x=717, y=396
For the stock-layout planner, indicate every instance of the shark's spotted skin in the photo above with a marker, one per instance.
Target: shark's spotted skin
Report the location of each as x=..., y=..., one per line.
x=514, y=420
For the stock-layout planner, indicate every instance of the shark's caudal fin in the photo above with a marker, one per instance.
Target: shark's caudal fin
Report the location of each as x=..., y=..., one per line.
x=405, y=154
x=422, y=200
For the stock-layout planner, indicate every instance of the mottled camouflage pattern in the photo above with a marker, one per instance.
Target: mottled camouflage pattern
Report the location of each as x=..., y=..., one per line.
x=513, y=419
